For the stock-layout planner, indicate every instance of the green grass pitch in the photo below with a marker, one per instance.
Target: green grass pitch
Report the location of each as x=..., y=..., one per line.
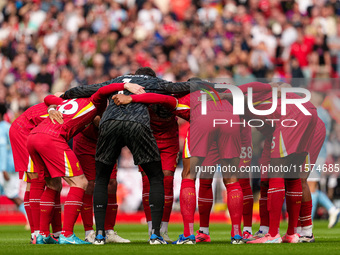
x=15, y=240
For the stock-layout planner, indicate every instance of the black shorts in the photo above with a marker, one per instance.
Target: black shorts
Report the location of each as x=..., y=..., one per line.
x=115, y=134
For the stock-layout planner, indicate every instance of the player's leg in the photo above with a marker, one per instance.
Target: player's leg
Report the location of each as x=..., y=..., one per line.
x=169, y=156
x=87, y=212
x=188, y=191
x=37, y=188
x=168, y=201
x=145, y=200
x=306, y=234
x=234, y=200
x=187, y=199
x=88, y=164
x=109, y=145
x=64, y=163
x=264, y=214
x=112, y=207
x=276, y=195
x=229, y=147
x=156, y=195
x=205, y=203
x=27, y=205
x=72, y=207
x=37, y=184
x=111, y=211
x=263, y=207
x=48, y=196
x=248, y=201
x=295, y=187
x=56, y=222
x=205, y=193
x=47, y=206
x=100, y=199
x=275, y=199
x=143, y=146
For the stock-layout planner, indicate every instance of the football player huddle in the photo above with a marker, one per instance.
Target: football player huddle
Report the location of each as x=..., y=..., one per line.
x=140, y=111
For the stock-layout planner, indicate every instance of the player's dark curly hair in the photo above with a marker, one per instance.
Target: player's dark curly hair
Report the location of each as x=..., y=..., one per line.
x=145, y=71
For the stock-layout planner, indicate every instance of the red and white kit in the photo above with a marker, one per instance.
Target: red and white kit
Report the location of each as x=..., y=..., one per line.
x=47, y=143
x=18, y=135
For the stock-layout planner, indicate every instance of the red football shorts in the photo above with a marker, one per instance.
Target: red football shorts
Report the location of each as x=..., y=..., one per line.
x=289, y=140
x=168, y=150
x=22, y=160
x=227, y=136
x=53, y=156
x=317, y=142
x=86, y=156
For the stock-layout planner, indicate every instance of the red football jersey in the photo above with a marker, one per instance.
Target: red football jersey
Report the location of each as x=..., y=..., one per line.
x=31, y=118
x=262, y=100
x=88, y=138
x=186, y=106
x=163, y=127
x=183, y=107
x=77, y=113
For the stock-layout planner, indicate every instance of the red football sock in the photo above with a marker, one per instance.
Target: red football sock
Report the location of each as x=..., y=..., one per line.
x=168, y=197
x=47, y=203
x=87, y=212
x=235, y=207
x=276, y=196
x=205, y=201
x=306, y=214
x=248, y=201
x=293, y=201
x=56, y=218
x=145, y=200
x=188, y=205
x=36, y=190
x=72, y=207
x=264, y=214
x=111, y=212
x=28, y=209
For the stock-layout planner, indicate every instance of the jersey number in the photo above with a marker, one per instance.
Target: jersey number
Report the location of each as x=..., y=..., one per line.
x=246, y=152
x=125, y=80
x=69, y=107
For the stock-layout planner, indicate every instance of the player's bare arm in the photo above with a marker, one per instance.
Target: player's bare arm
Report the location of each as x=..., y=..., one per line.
x=148, y=98
x=89, y=90
x=134, y=88
x=121, y=99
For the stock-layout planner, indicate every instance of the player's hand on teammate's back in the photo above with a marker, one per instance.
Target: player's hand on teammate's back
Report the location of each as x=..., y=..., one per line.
x=96, y=121
x=57, y=116
x=134, y=88
x=121, y=99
